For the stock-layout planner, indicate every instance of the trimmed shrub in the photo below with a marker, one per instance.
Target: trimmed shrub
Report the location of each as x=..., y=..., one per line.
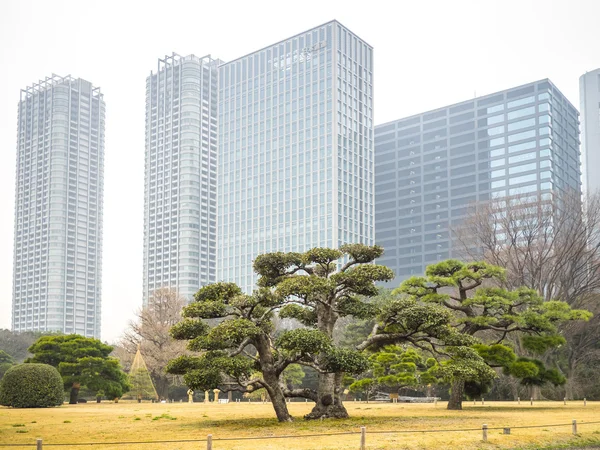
x=31, y=386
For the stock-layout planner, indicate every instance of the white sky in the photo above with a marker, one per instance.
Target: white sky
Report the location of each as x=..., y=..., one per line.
x=428, y=54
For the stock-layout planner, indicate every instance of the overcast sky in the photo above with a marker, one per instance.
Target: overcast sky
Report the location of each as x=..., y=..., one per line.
x=428, y=54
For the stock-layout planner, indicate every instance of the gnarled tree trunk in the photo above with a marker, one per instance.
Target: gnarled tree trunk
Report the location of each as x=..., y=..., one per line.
x=276, y=396
x=329, y=398
x=329, y=391
x=456, y=395
x=271, y=379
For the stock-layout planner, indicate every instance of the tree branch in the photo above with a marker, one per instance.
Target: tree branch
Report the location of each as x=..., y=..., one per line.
x=302, y=393
x=241, y=347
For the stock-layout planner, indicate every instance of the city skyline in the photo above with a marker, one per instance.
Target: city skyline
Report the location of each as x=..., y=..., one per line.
x=408, y=82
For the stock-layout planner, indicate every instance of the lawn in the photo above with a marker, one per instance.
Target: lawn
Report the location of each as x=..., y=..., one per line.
x=127, y=422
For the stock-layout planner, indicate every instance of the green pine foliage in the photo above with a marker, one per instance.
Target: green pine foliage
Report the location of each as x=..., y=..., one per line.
x=479, y=308
x=5, y=358
x=366, y=386
x=81, y=361
x=394, y=367
x=241, y=351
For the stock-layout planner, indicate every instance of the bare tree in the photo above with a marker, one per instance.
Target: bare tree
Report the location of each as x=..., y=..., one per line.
x=551, y=244
x=150, y=330
x=581, y=349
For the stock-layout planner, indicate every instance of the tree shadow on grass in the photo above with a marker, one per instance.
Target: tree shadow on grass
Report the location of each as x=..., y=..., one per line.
x=260, y=425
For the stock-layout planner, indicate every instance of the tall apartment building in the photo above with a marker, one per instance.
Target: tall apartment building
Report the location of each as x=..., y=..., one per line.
x=295, y=149
x=180, y=175
x=589, y=97
x=58, y=208
x=430, y=167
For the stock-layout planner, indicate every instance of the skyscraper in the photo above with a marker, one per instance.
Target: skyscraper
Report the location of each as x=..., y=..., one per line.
x=589, y=97
x=295, y=149
x=430, y=167
x=57, y=274
x=180, y=175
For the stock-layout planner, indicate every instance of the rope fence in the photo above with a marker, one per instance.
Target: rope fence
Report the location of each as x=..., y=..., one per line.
x=39, y=444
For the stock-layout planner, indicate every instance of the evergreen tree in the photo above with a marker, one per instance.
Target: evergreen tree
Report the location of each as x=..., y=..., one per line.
x=468, y=291
x=394, y=368
x=81, y=361
x=315, y=288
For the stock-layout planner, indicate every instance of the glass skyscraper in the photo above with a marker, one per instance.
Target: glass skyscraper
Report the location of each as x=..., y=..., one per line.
x=430, y=167
x=589, y=97
x=58, y=208
x=180, y=175
x=295, y=149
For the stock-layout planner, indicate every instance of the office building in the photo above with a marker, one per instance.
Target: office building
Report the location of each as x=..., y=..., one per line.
x=295, y=149
x=180, y=175
x=57, y=274
x=589, y=97
x=430, y=167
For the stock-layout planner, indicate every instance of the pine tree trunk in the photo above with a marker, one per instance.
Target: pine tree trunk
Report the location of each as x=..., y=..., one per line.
x=329, y=398
x=277, y=398
x=514, y=390
x=271, y=379
x=162, y=387
x=569, y=390
x=74, y=394
x=570, y=374
x=456, y=395
x=535, y=392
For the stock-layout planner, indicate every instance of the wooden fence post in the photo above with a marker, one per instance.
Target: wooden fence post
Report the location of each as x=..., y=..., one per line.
x=584, y=402
x=565, y=400
x=39, y=444
x=574, y=426
x=484, y=429
x=209, y=442
x=506, y=430
x=518, y=400
x=531, y=401
x=363, y=438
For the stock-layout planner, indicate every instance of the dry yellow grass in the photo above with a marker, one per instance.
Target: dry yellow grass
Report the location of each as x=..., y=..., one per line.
x=109, y=422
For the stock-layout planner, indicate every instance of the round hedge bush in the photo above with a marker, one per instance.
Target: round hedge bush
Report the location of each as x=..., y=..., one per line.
x=31, y=386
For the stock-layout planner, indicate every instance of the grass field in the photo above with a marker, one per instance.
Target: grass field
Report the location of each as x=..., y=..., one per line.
x=127, y=422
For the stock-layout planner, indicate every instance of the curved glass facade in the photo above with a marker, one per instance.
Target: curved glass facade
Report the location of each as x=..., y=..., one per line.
x=180, y=175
